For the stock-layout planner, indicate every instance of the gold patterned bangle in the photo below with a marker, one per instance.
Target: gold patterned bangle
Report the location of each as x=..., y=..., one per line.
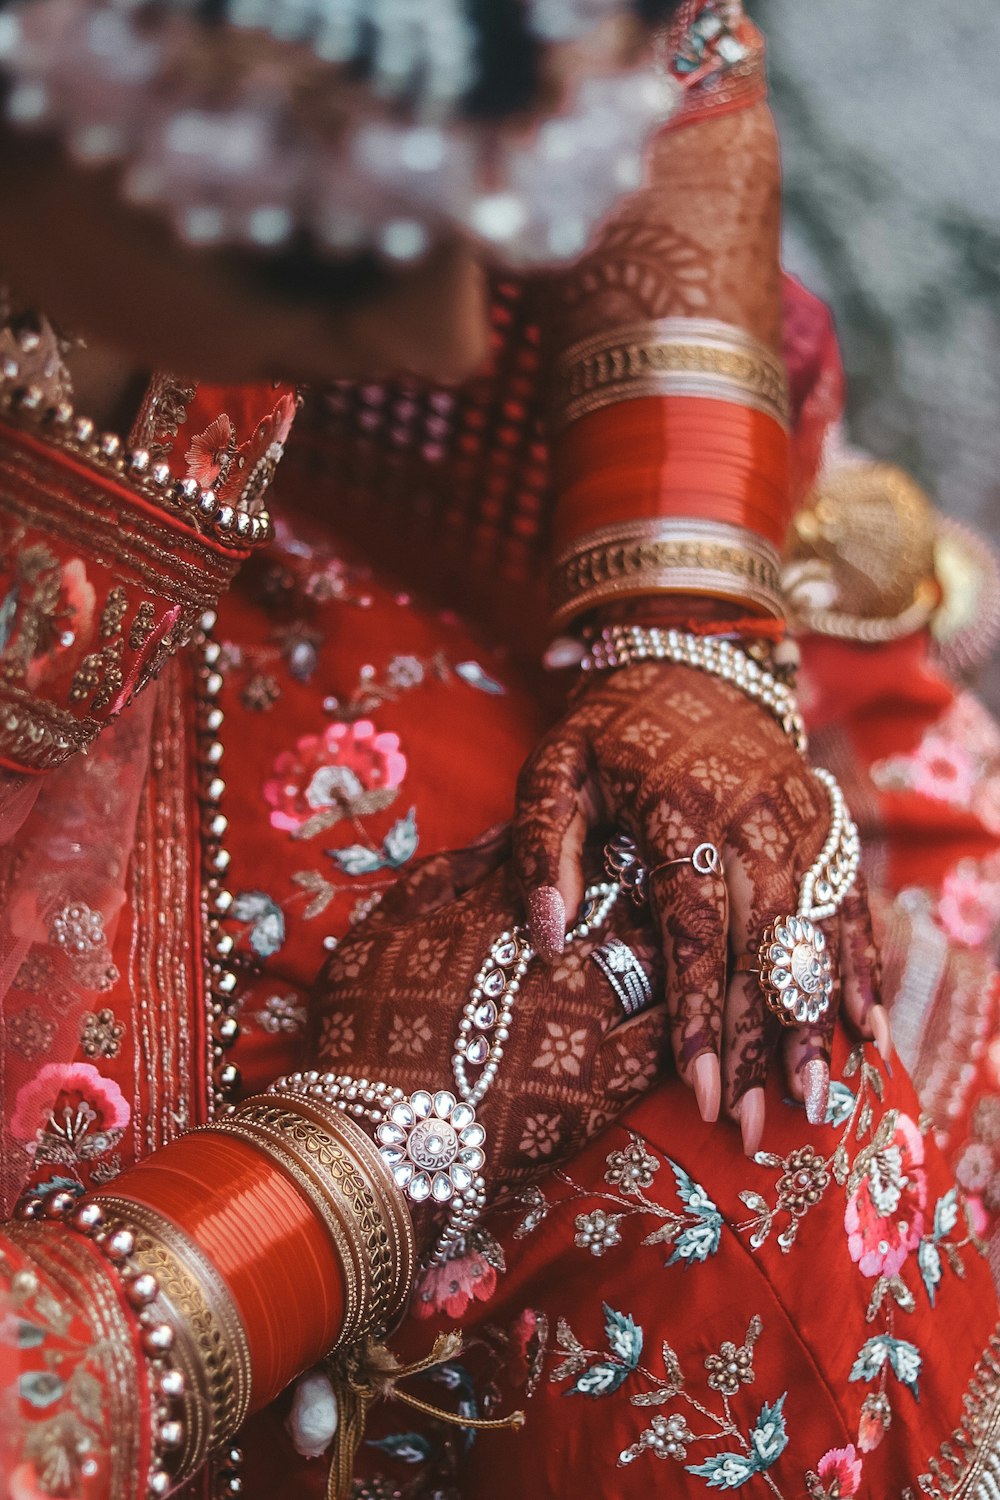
x=210, y=1348
x=340, y=1171
x=660, y=556
x=669, y=357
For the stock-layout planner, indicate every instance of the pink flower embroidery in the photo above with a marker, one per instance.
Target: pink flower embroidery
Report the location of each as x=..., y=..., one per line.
x=944, y=770
x=884, y=1217
x=69, y=1106
x=332, y=770
x=267, y=442
x=970, y=905
x=209, y=451
x=71, y=627
x=843, y=1467
x=447, y=1290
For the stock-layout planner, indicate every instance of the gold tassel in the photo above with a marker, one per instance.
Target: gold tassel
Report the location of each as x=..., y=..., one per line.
x=370, y=1372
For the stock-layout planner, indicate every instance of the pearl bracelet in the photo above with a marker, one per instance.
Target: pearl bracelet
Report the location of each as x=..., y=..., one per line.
x=627, y=645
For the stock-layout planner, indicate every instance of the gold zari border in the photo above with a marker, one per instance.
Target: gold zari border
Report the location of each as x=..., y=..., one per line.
x=967, y=1465
x=669, y=357
x=666, y=556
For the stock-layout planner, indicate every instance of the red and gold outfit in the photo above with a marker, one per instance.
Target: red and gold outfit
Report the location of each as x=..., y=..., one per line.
x=171, y=897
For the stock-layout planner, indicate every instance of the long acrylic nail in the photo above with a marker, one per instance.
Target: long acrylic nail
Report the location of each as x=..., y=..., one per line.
x=878, y=1020
x=707, y=1082
x=752, y=1120
x=816, y=1090
x=547, y=921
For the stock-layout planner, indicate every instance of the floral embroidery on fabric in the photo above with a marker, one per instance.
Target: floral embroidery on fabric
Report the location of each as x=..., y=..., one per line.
x=470, y=1276
x=101, y=1034
x=598, y=1373
x=877, y=1163
x=78, y=931
x=49, y=608
x=956, y=762
x=69, y=1115
x=837, y=1476
x=282, y=1015
x=695, y=1234
x=30, y=1032
x=345, y=772
x=240, y=472
x=60, y=1389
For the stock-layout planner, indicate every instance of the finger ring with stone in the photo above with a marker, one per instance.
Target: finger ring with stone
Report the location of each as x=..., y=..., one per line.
x=625, y=974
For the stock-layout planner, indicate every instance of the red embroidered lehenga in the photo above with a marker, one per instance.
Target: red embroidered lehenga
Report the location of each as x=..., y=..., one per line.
x=170, y=897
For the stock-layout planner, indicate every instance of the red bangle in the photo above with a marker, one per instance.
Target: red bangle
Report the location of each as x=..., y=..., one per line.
x=678, y=457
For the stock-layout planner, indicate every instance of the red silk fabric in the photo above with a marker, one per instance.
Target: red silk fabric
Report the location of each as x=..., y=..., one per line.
x=680, y=456
x=266, y=1241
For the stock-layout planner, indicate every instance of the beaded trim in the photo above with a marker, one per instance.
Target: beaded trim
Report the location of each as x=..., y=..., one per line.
x=219, y=973
x=167, y=1383
x=152, y=478
x=670, y=357
x=211, y=1345
x=666, y=555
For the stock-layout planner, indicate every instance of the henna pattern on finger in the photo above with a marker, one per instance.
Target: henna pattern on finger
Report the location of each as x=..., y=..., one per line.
x=863, y=953
x=549, y=795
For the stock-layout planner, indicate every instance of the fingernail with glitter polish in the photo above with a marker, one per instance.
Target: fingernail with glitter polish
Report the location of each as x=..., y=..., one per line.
x=816, y=1090
x=707, y=1082
x=878, y=1020
x=752, y=1120
x=547, y=921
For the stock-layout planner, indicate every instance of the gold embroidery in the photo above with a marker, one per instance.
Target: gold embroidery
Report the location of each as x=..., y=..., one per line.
x=671, y=357
x=967, y=1465
x=698, y=557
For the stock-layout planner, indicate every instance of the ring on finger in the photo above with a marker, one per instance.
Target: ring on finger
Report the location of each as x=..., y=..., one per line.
x=706, y=860
x=625, y=974
x=794, y=969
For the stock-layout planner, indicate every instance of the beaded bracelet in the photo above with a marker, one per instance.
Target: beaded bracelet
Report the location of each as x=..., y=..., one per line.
x=626, y=645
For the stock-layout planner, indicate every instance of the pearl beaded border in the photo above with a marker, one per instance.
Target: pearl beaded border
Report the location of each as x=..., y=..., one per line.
x=153, y=480
x=220, y=974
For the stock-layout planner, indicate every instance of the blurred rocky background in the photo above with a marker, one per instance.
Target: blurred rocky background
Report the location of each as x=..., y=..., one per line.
x=890, y=123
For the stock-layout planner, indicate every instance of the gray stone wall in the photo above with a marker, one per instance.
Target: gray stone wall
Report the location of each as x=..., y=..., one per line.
x=890, y=123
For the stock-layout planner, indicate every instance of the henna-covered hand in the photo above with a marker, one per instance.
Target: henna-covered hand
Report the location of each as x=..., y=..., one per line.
x=389, y=1001
x=677, y=758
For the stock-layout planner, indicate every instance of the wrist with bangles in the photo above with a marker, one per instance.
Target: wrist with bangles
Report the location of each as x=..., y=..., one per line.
x=243, y=1253
x=670, y=461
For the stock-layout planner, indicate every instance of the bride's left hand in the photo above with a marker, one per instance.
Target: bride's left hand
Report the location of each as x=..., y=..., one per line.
x=677, y=758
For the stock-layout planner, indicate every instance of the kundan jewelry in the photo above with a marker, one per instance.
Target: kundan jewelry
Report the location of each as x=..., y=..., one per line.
x=431, y=1141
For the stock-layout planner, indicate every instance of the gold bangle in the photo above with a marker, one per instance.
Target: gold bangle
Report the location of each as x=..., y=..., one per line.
x=211, y=1347
x=661, y=556
x=340, y=1171
x=669, y=357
